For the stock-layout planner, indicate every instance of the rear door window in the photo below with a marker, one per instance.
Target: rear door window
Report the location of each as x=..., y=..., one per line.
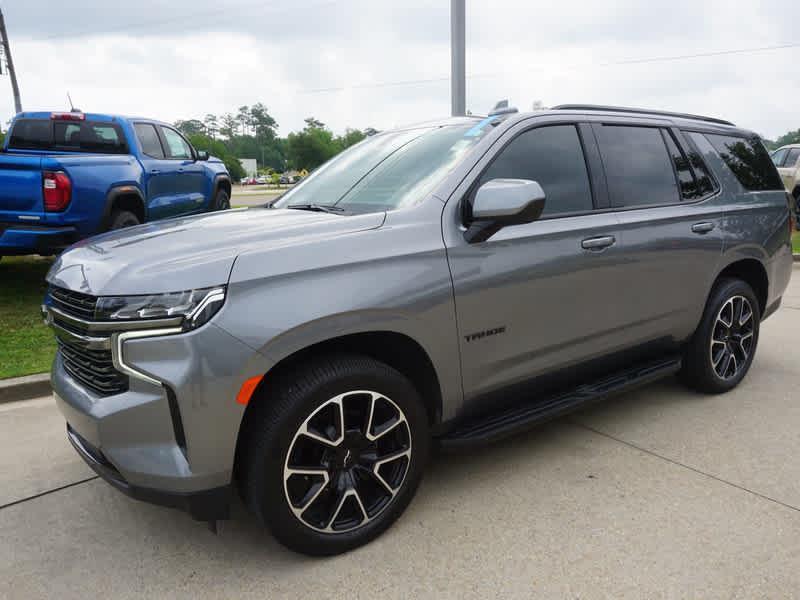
x=747, y=158
x=638, y=167
x=552, y=156
x=148, y=138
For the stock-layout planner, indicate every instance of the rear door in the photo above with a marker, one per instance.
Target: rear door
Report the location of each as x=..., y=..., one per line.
x=670, y=216
x=187, y=175
x=161, y=194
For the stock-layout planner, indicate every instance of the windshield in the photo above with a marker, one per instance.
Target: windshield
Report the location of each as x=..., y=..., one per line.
x=388, y=171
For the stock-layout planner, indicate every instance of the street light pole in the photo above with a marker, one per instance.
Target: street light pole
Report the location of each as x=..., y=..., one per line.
x=12, y=73
x=458, y=74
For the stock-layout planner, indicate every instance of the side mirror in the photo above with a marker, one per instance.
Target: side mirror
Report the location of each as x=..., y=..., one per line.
x=202, y=155
x=503, y=202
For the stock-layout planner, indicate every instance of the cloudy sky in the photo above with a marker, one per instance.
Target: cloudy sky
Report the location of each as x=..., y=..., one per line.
x=350, y=62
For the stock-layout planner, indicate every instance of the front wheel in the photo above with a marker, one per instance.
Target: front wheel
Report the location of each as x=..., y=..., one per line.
x=335, y=456
x=221, y=201
x=722, y=349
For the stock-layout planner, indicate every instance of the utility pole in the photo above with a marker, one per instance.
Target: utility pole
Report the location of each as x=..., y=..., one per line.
x=9, y=61
x=458, y=69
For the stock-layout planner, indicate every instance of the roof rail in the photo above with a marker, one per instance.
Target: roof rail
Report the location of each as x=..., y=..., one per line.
x=641, y=111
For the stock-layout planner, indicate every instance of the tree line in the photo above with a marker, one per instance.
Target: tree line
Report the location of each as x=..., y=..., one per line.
x=251, y=132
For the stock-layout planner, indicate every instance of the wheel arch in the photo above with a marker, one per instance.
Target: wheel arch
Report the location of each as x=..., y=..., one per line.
x=752, y=272
x=397, y=350
x=124, y=197
x=221, y=182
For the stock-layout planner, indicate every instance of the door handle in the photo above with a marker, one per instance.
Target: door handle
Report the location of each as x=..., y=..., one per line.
x=598, y=243
x=702, y=228
x=154, y=171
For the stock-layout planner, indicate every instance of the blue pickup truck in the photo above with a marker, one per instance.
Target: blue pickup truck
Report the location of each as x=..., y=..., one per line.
x=67, y=176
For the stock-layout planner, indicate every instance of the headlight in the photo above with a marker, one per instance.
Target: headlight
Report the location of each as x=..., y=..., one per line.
x=195, y=306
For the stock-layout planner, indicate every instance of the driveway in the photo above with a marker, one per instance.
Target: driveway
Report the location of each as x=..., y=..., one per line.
x=661, y=493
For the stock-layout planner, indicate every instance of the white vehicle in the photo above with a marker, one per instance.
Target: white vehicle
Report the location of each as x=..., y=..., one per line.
x=786, y=159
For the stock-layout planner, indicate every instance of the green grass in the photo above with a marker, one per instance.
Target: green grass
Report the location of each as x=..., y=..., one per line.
x=796, y=242
x=26, y=345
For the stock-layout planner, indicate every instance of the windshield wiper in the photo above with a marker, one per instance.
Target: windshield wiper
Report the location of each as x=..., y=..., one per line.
x=327, y=208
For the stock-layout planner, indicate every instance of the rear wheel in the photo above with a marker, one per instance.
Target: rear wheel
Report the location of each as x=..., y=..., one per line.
x=722, y=349
x=121, y=219
x=336, y=455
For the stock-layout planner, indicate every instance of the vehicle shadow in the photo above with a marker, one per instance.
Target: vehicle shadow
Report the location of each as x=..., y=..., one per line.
x=451, y=479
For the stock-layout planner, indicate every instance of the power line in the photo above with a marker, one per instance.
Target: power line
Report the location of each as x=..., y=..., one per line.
x=183, y=19
x=628, y=61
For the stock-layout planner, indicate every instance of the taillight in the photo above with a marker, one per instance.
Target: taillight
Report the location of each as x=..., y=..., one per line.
x=57, y=190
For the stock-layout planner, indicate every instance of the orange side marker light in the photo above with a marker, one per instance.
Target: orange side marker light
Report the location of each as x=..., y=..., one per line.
x=247, y=389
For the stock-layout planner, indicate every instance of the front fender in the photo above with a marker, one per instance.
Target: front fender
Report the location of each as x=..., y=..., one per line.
x=391, y=279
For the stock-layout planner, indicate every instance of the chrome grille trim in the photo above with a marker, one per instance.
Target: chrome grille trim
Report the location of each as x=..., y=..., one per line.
x=76, y=303
x=93, y=368
x=92, y=351
x=111, y=325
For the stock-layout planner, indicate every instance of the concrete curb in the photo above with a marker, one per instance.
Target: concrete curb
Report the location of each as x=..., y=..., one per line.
x=24, y=388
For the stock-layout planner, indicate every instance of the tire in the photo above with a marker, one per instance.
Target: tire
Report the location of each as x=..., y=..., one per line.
x=706, y=366
x=221, y=201
x=317, y=513
x=120, y=219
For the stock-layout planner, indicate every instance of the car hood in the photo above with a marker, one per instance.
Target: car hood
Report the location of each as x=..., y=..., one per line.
x=188, y=253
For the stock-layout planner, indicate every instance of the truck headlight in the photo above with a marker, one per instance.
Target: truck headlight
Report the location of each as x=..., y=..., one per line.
x=195, y=306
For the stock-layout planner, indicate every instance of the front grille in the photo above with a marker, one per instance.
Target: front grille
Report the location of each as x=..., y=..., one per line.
x=93, y=368
x=73, y=303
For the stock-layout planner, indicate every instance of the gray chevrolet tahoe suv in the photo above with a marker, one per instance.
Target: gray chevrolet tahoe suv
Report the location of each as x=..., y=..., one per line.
x=455, y=282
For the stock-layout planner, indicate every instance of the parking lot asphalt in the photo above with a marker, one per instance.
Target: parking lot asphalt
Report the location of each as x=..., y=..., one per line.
x=660, y=493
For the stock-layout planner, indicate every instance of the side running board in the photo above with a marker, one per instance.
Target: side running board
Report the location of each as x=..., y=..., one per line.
x=520, y=418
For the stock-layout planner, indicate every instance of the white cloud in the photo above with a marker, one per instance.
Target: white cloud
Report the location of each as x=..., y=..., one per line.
x=201, y=59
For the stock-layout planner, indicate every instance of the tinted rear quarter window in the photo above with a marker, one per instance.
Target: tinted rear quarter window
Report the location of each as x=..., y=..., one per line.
x=552, y=156
x=747, y=158
x=683, y=169
x=637, y=165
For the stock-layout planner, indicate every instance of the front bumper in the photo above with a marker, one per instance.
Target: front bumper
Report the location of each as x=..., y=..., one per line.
x=205, y=505
x=170, y=437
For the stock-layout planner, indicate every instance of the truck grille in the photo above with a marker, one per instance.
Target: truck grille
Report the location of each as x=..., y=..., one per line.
x=73, y=303
x=90, y=365
x=93, y=368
